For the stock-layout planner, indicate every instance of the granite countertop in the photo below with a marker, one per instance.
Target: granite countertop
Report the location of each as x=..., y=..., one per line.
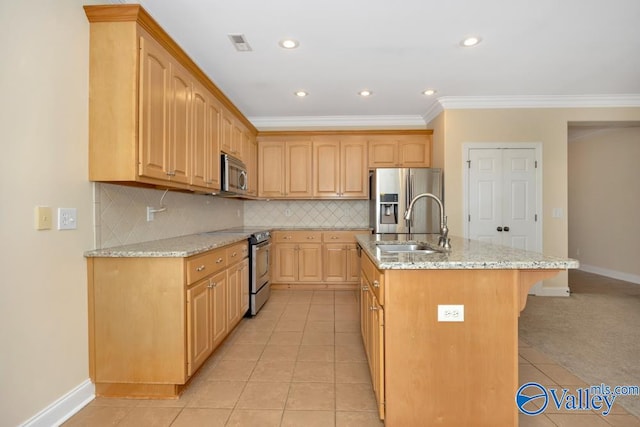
x=175, y=247
x=302, y=228
x=192, y=244
x=464, y=254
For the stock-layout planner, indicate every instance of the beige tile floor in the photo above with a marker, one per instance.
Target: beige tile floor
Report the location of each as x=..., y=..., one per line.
x=301, y=362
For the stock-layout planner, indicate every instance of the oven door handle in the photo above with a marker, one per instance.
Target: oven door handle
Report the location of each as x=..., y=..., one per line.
x=262, y=245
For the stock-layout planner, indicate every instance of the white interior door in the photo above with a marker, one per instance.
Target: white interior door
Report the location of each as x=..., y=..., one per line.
x=502, y=196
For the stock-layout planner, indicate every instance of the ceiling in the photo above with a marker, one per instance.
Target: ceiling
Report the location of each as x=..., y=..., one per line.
x=533, y=53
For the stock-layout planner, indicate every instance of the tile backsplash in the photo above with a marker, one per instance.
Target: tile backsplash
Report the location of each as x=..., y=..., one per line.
x=120, y=214
x=307, y=213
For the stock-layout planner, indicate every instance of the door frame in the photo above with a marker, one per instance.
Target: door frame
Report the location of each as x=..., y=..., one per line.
x=537, y=147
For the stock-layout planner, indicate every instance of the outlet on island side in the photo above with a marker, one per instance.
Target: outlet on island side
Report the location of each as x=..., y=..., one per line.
x=450, y=313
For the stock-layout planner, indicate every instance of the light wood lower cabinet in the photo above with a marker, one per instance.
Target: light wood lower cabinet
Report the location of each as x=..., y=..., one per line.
x=316, y=258
x=428, y=372
x=154, y=321
x=372, y=329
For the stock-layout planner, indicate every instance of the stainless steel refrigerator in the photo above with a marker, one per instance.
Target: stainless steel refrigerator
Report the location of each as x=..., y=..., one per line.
x=391, y=191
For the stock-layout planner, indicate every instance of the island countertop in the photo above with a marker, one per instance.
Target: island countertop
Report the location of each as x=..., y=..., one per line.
x=464, y=254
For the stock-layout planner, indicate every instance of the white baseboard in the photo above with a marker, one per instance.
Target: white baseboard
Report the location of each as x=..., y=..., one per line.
x=65, y=407
x=610, y=273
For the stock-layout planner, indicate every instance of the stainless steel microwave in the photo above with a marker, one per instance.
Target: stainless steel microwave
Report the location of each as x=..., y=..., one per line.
x=234, y=175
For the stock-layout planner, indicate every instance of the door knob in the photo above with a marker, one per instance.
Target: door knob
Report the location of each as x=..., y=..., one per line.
x=506, y=229
x=499, y=229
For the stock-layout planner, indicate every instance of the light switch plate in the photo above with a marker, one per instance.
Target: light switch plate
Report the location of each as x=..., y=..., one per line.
x=450, y=313
x=67, y=219
x=42, y=217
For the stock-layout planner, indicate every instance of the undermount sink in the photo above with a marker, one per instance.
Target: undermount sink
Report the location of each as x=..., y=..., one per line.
x=407, y=247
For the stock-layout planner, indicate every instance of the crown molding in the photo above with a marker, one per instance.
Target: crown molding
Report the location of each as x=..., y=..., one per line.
x=433, y=112
x=539, y=101
x=338, y=122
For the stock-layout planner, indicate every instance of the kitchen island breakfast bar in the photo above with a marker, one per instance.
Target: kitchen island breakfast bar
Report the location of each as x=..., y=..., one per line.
x=441, y=329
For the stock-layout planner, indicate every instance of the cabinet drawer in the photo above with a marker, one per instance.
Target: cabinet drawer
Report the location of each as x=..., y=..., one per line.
x=202, y=265
x=340, y=236
x=237, y=252
x=297, y=236
x=375, y=277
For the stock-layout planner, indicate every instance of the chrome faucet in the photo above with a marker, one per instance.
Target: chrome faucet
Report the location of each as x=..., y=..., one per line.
x=444, y=240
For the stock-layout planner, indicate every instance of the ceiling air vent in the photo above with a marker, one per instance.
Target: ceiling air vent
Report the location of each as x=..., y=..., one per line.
x=240, y=42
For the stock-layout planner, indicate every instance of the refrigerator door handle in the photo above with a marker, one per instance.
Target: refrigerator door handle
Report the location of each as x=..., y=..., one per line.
x=407, y=198
x=411, y=196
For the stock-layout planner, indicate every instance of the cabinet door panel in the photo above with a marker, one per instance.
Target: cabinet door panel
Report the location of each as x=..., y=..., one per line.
x=199, y=337
x=271, y=166
x=218, y=297
x=310, y=263
x=354, y=174
x=233, y=295
x=154, y=109
x=285, y=263
x=298, y=169
x=353, y=264
x=335, y=262
x=414, y=152
x=326, y=161
x=179, y=144
x=383, y=154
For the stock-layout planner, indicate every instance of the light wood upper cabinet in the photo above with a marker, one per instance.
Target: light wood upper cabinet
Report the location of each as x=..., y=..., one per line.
x=206, y=113
x=147, y=109
x=392, y=151
x=250, y=154
x=285, y=169
x=298, y=172
x=271, y=171
x=155, y=69
x=340, y=167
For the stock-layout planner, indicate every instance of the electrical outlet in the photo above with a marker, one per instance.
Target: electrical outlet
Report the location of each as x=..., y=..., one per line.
x=450, y=313
x=67, y=219
x=287, y=212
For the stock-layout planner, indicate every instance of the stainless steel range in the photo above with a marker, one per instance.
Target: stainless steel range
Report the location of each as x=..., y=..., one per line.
x=259, y=258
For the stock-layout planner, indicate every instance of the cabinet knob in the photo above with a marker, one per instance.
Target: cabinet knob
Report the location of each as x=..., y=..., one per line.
x=200, y=268
x=310, y=237
x=506, y=229
x=234, y=254
x=373, y=308
x=286, y=238
x=376, y=284
x=219, y=260
x=334, y=237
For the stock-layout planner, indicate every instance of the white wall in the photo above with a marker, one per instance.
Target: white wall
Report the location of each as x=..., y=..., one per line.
x=604, y=200
x=43, y=117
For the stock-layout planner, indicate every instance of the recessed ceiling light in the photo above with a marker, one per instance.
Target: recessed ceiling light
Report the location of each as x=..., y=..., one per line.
x=289, y=43
x=470, y=41
x=365, y=93
x=429, y=92
x=301, y=93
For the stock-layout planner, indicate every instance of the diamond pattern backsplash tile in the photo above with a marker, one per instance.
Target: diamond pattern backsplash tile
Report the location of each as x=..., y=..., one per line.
x=307, y=213
x=121, y=214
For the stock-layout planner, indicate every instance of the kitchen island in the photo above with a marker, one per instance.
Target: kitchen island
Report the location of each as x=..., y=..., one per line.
x=441, y=329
